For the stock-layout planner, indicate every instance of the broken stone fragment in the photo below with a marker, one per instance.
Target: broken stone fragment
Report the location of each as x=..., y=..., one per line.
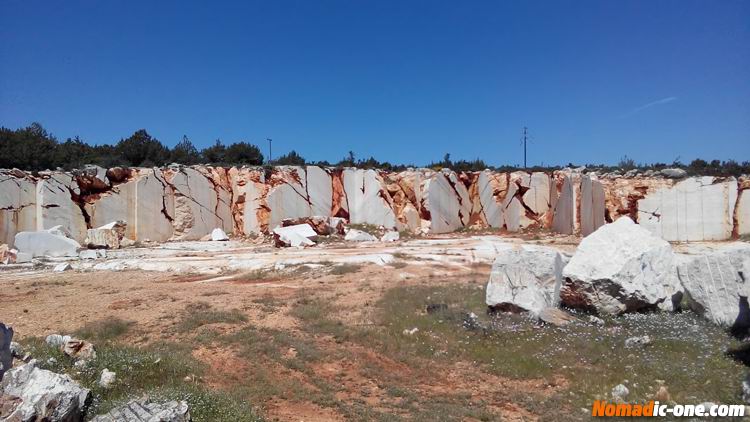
x=218, y=235
x=79, y=350
x=354, y=235
x=92, y=254
x=44, y=243
x=294, y=236
x=555, y=316
x=102, y=238
x=390, y=236
x=675, y=173
x=107, y=378
x=145, y=410
x=42, y=395
x=527, y=278
x=324, y=226
x=56, y=340
x=62, y=267
x=717, y=286
x=619, y=268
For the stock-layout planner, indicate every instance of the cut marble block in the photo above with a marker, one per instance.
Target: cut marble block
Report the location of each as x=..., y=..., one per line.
x=447, y=201
x=319, y=190
x=591, y=205
x=698, y=208
x=564, y=218
x=367, y=200
x=55, y=206
x=17, y=206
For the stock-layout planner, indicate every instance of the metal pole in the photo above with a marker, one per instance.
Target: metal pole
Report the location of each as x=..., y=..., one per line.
x=270, y=151
x=524, y=146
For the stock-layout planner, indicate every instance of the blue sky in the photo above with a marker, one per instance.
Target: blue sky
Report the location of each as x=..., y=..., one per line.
x=404, y=81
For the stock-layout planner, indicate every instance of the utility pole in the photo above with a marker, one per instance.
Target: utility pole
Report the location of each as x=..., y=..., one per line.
x=270, y=153
x=525, y=137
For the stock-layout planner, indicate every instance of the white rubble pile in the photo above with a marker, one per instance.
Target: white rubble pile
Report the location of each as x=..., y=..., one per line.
x=717, y=284
x=621, y=267
x=527, y=278
x=294, y=236
x=354, y=235
x=43, y=395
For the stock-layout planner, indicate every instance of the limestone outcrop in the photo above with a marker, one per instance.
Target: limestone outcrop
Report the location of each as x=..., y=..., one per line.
x=187, y=203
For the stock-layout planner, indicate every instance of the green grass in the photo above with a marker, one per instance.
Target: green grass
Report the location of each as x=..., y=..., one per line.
x=198, y=314
x=158, y=370
x=688, y=353
x=103, y=330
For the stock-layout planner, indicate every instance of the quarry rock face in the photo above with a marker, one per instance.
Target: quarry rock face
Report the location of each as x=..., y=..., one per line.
x=619, y=268
x=717, y=284
x=527, y=278
x=187, y=203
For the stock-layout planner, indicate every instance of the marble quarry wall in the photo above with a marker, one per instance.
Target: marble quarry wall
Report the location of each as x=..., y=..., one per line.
x=187, y=203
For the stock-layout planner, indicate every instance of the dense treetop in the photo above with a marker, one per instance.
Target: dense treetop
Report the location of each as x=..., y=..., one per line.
x=33, y=148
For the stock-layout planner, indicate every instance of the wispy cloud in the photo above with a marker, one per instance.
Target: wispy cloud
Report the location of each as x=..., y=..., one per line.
x=649, y=105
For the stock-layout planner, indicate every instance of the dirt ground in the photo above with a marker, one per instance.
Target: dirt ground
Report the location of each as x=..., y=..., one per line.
x=294, y=364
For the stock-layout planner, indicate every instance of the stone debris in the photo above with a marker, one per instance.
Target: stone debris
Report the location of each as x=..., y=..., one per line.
x=6, y=352
x=675, y=173
x=354, y=235
x=80, y=350
x=555, y=316
x=92, y=254
x=107, y=236
x=218, y=235
x=294, y=236
x=527, y=278
x=620, y=268
x=746, y=389
x=640, y=341
x=41, y=395
x=62, y=267
x=620, y=392
x=717, y=285
x=324, y=226
x=107, y=378
x=44, y=243
x=390, y=236
x=410, y=332
x=145, y=410
x=56, y=340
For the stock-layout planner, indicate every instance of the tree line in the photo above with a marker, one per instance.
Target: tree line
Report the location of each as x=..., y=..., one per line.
x=33, y=148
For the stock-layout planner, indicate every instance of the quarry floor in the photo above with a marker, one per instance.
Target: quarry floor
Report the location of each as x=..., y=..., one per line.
x=317, y=334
